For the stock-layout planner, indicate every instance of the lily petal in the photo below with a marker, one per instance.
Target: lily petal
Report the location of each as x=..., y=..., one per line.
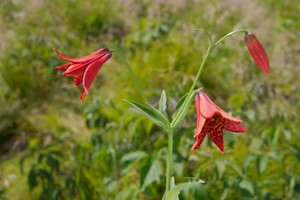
x=77, y=80
x=92, y=70
x=208, y=108
x=76, y=69
x=63, y=67
x=83, y=94
x=233, y=126
x=217, y=138
x=199, y=139
x=200, y=118
x=93, y=56
x=200, y=123
x=229, y=117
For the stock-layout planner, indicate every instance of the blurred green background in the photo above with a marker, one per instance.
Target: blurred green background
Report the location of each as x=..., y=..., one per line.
x=54, y=147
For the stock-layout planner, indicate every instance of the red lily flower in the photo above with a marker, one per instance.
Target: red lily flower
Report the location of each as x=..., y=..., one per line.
x=84, y=69
x=211, y=120
x=257, y=52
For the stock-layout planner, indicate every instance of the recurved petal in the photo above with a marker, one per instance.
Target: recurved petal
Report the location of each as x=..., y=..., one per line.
x=217, y=138
x=93, y=56
x=229, y=117
x=76, y=69
x=77, y=80
x=199, y=139
x=233, y=126
x=63, y=67
x=83, y=94
x=92, y=70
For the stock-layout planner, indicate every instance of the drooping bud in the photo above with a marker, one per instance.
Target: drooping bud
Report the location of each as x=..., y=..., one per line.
x=257, y=52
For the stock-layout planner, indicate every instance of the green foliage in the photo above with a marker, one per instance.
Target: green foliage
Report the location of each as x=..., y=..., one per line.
x=173, y=194
x=102, y=149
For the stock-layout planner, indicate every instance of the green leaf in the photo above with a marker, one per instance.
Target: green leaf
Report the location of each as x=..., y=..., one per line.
x=175, y=191
x=53, y=163
x=276, y=137
x=235, y=168
x=33, y=177
x=172, y=182
x=161, y=115
x=220, y=168
x=262, y=163
x=133, y=156
x=151, y=113
x=180, y=102
x=246, y=187
x=225, y=194
x=181, y=108
x=153, y=174
x=163, y=102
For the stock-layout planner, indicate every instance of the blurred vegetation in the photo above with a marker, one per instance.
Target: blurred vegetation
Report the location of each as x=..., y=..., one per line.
x=54, y=147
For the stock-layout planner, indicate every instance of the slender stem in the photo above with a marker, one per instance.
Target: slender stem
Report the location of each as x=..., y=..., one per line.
x=192, y=87
x=169, y=159
x=228, y=35
x=209, y=50
x=131, y=74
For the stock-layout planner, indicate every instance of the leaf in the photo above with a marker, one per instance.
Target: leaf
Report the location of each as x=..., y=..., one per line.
x=220, y=168
x=180, y=101
x=246, y=187
x=53, y=163
x=153, y=174
x=225, y=194
x=175, y=191
x=247, y=162
x=235, y=168
x=172, y=182
x=32, y=177
x=276, y=137
x=158, y=113
x=151, y=113
x=181, y=108
x=133, y=156
x=262, y=163
x=163, y=102
x=22, y=161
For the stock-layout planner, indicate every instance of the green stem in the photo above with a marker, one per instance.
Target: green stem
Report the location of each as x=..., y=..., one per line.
x=131, y=74
x=169, y=160
x=192, y=87
x=228, y=35
x=209, y=50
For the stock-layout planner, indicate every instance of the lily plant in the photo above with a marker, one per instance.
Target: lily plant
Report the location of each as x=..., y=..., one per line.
x=211, y=119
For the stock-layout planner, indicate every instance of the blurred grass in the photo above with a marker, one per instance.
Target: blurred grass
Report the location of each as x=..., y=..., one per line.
x=41, y=110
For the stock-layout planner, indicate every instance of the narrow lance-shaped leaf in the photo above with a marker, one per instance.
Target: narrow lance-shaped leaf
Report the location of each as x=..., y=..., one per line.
x=175, y=191
x=153, y=174
x=180, y=112
x=159, y=114
x=261, y=163
x=150, y=114
x=133, y=156
x=163, y=102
